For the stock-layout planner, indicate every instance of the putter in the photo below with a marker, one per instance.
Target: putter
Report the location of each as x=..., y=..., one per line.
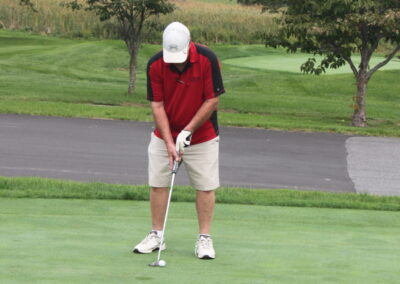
x=158, y=262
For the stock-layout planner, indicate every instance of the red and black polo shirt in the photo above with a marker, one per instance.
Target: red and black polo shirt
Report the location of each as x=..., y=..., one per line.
x=184, y=92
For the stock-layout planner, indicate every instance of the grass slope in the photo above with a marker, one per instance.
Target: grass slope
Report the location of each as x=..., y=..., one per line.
x=89, y=241
x=59, y=77
x=52, y=188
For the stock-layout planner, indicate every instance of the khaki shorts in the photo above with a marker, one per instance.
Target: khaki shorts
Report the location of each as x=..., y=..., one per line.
x=200, y=160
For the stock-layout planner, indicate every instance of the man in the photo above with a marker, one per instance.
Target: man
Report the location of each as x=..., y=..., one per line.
x=183, y=85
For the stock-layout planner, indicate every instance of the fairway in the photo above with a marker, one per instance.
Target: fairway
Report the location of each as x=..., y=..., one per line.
x=292, y=63
x=89, y=241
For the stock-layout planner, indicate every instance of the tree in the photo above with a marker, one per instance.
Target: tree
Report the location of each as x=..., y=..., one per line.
x=337, y=30
x=131, y=16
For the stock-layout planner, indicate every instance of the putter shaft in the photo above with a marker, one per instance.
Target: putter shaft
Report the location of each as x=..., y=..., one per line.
x=174, y=171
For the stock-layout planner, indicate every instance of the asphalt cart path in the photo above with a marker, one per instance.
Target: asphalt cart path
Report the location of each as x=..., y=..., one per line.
x=116, y=152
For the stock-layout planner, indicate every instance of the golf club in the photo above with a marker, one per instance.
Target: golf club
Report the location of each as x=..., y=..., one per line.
x=158, y=262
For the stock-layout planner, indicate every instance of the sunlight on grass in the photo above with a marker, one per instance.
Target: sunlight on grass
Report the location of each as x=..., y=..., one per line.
x=292, y=63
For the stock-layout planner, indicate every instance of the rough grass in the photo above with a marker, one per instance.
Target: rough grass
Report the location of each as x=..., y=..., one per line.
x=50, y=188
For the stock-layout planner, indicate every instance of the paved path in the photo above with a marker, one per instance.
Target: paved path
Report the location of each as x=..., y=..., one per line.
x=116, y=152
x=374, y=164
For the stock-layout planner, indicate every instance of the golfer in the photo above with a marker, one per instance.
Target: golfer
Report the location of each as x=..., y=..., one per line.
x=183, y=85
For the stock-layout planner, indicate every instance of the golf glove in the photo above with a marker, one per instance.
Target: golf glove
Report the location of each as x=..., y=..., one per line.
x=183, y=140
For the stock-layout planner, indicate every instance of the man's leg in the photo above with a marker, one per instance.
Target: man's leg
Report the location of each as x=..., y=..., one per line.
x=159, y=178
x=201, y=162
x=158, y=205
x=205, y=201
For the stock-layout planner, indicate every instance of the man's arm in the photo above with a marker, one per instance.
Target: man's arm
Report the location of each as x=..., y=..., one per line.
x=204, y=113
x=162, y=123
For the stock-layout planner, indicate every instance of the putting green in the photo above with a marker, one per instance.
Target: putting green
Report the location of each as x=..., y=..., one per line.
x=89, y=241
x=292, y=63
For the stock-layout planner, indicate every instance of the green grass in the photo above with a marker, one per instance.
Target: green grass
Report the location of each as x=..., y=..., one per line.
x=80, y=78
x=89, y=241
x=63, y=109
x=50, y=188
x=292, y=63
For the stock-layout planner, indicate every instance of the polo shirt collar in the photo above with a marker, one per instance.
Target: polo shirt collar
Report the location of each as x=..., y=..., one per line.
x=193, y=55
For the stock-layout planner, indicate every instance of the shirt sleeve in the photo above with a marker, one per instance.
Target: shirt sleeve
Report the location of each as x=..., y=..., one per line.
x=154, y=84
x=213, y=86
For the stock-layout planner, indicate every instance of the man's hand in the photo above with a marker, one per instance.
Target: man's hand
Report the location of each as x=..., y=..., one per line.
x=182, y=141
x=172, y=154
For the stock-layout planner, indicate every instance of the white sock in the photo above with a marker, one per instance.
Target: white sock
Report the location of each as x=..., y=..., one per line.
x=159, y=233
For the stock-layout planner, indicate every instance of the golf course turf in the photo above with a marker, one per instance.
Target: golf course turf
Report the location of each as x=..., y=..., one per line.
x=89, y=78
x=68, y=232
x=36, y=187
x=55, y=231
x=89, y=241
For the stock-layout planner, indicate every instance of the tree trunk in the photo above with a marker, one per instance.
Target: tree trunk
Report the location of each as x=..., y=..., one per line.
x=132, y=69
x=359, y=115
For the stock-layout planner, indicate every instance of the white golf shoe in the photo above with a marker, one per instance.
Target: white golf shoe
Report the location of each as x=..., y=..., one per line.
x=204, y=248
x=149, y=244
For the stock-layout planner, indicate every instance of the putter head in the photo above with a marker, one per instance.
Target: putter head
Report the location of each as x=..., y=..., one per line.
x=158, y=263
x=155, y=264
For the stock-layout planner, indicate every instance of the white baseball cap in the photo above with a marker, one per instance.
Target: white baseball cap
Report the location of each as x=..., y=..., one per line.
x=176, y=39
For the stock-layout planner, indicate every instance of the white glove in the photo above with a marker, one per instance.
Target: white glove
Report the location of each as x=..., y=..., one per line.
x=183, y=140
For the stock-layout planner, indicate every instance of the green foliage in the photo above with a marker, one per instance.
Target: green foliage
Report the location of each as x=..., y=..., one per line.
x=337, y=29
x=130, y=14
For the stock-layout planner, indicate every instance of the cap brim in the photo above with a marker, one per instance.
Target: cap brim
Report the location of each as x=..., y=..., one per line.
x=175, y=57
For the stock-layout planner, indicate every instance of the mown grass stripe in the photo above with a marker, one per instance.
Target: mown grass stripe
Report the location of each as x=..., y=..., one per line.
x=34, y=187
